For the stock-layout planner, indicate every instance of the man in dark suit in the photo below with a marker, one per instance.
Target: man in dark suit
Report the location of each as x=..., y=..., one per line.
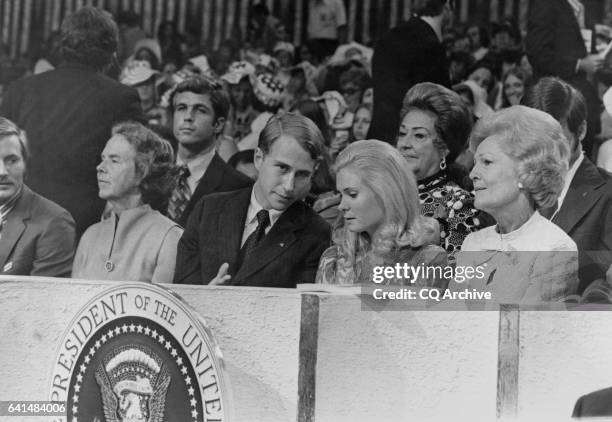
x=584, y=209
x=595, y=404
x=68, y=114
x=265, y=236
x=37, y=237
x=555, y=47
x=200, y=108
x=408, y=54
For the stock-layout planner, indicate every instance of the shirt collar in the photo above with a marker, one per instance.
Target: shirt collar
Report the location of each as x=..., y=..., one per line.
x=10, y=204
x=255, y=207
x=199, y=164
x=569, y=177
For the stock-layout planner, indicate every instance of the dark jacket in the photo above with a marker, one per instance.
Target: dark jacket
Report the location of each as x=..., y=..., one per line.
x=67, y=114
x=288, y=255
x=598, y=403
x=586, y=216
x=218, y=177
x=408, y=54
x=554, y=44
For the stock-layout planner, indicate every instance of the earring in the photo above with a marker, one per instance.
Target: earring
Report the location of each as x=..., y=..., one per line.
x=443, y=163
x=520, y=185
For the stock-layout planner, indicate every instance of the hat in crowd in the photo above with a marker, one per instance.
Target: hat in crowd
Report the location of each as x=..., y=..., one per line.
x=237, y=71
x=151, y=45
x=351, y=51
x=284, y=46
x=201, y=62
x=267, y=63
x=137, y=72
x=267, y=89
x=334, y=104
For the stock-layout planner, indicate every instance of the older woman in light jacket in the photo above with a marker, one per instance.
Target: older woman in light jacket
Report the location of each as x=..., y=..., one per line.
x=521, y=158
x=136, y=242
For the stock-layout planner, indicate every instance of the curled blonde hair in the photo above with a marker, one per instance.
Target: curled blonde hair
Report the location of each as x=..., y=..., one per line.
x=383, y=170
x=535, y=141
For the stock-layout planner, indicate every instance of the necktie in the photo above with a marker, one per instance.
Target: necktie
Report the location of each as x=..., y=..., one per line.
x=263, y=221
x=180, y=196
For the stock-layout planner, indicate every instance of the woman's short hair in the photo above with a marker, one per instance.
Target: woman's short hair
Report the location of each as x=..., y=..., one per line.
x=300, y=127
x=383, y=170
x=535, y=141
x=89, y=36
x=454, y=121
x=8, y=128
x=522, y=75
x=559, y=99
x=154, y=163
x=219, y=98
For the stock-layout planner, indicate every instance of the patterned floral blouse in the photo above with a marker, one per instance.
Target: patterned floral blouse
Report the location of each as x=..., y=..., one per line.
x=453, y=207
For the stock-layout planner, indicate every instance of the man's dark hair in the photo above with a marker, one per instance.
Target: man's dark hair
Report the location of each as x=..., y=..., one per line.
x=246, y=156
x=199, y=85
x=430, y=7
x=89, y=36
x=559, y=99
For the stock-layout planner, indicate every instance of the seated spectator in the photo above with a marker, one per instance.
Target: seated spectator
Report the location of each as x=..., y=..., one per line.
x=361, y=122
x=242, y=112
x=199, y=108
x=136, y=243
x=434, y=128
x=521, y=158
x=480, y=41
x=147, y=49
x=584, y=207
x=263, y=236
x=514, y=85
x=138, y=74
x=381, y=224
x=268, y=96
x=37, y=236
x=243, y=161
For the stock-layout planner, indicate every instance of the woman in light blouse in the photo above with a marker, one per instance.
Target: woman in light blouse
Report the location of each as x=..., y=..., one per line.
x=136, y=176
x=521, y=158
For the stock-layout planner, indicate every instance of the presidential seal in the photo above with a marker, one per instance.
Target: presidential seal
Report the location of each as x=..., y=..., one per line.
x=138, y=353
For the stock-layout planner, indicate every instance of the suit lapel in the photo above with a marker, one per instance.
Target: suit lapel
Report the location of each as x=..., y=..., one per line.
x=210, y=181
x=581, y=196
x=15, y=225
x=230, y=226
x=279, y=239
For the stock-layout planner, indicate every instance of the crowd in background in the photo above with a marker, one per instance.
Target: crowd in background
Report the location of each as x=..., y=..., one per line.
x=334, y=83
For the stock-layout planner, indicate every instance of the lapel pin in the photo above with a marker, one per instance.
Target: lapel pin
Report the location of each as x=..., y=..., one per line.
x=282, y=245
x=8, y=267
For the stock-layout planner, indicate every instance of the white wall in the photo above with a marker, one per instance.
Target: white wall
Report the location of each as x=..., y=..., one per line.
x=405, y=365
x=563, y=356
x=256, y=329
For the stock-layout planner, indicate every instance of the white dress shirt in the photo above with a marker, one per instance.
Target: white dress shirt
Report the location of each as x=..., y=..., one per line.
x=197, y=167
x=251, y=219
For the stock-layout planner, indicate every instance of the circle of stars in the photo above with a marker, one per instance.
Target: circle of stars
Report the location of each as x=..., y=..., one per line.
x=124, y=329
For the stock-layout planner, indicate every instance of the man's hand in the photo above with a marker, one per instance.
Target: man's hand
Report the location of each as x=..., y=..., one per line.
x=222, y=276
x=590, y=64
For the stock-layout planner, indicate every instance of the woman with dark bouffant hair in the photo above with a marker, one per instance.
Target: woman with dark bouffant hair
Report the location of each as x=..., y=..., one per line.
x=136, y=176
x=435, y=124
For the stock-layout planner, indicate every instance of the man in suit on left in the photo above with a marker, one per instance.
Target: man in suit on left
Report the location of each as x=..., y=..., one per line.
x=37, y=236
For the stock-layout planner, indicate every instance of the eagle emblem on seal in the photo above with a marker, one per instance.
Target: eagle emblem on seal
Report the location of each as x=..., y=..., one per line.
x=133, y=383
